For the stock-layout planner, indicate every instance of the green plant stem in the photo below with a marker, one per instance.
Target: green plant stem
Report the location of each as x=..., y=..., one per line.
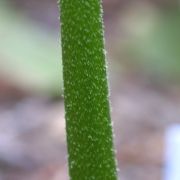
x=88, y=124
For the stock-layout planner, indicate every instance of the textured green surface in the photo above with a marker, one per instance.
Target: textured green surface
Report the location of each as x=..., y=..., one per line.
x=88, y=124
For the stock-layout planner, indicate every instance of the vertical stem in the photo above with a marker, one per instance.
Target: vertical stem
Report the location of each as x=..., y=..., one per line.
x=88, y=123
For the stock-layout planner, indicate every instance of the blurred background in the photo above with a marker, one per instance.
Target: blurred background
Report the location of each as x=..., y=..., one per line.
x=142, y=41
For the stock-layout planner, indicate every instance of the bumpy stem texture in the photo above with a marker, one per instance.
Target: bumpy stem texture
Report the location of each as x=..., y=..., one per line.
x=88, y=124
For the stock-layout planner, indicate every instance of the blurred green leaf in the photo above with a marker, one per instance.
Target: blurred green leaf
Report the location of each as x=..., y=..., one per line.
x=159, y=51
x=29, y=54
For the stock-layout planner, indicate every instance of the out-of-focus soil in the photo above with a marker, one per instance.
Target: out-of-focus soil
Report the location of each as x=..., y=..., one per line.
x=33, y=134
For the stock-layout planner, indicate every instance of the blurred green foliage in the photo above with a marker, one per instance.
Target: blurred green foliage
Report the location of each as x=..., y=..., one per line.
x=159, y=50
x=29, y=54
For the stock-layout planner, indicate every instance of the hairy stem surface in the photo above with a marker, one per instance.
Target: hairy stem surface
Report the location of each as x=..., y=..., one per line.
x=88, y=124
